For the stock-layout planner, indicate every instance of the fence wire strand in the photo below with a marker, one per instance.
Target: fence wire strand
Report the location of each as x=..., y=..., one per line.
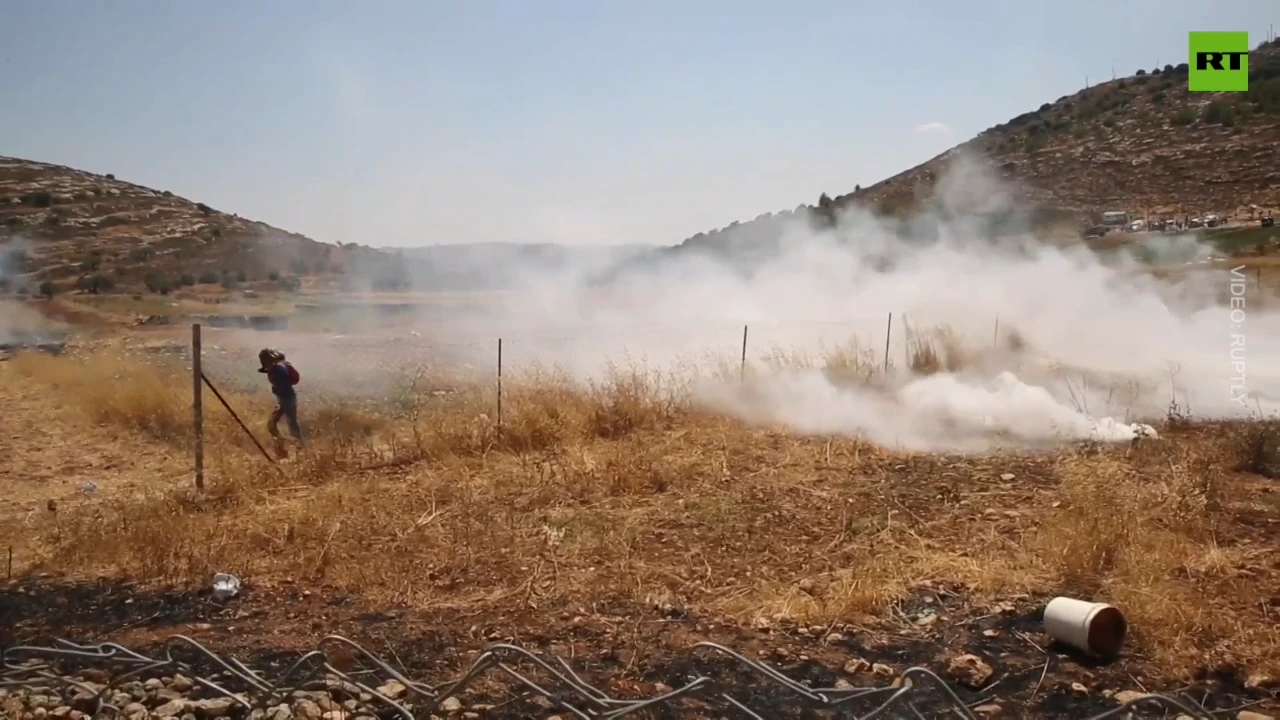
x=388, y=693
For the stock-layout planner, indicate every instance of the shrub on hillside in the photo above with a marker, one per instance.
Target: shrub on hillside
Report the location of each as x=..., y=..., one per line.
x=1265, y=95
x=159, y=284
x=94, y=284
x=48, y=288
x=208, y=277
x=41, y=199
x=1266, y=69
x=1219, y=112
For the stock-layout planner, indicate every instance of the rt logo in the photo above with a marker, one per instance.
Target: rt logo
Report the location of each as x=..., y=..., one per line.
x=1219, y=62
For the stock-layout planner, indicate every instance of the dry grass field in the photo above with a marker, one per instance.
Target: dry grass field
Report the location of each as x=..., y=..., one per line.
x=621, y=515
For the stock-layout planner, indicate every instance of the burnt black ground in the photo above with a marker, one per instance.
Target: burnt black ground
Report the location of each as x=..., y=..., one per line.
x=269, y=629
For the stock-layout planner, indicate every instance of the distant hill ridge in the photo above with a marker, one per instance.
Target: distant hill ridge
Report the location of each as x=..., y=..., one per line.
x=1141, y=143
x=71, y=229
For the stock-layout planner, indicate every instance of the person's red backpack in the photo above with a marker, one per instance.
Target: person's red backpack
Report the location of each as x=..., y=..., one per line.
x=294, y=377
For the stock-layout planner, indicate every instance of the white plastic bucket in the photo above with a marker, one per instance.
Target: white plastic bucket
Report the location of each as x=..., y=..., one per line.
x=1096, y=628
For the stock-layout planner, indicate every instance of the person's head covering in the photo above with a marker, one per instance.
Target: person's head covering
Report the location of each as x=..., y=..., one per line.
x=267, y=356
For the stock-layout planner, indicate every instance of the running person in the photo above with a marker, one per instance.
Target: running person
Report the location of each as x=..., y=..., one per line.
x=282, y=377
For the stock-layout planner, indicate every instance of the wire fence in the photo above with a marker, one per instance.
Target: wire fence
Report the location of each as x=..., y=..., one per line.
x=184, y=676
x=379, y=364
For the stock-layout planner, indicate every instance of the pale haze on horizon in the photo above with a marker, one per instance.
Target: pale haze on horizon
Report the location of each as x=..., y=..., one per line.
x=404, y=123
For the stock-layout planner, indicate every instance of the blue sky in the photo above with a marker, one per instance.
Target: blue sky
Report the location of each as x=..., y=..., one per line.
x=417, y=122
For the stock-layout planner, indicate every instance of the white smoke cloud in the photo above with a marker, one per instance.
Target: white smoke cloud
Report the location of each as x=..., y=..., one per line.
x=1101, y=344
x=934, y=128
x=1106, y=344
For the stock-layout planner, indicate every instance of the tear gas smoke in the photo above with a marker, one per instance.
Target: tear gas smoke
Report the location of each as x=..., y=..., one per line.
x=18, y=322
x=1044, y=343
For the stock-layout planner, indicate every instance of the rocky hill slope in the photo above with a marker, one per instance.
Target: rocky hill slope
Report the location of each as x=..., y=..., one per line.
x=1142, y=143
x=67, y=229
x=74, y=228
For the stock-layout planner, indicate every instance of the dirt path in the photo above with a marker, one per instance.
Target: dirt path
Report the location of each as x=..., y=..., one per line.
x=50, y=452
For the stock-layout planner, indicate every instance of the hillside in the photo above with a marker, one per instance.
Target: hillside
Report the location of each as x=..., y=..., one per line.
x=75, y=228
x=1140, y=143
x=80, y=230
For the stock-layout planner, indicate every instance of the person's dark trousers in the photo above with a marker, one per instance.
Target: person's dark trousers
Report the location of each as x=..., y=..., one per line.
x=288, y=409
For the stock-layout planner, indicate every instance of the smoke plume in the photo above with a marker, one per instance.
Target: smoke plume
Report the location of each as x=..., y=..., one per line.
x=996, y=338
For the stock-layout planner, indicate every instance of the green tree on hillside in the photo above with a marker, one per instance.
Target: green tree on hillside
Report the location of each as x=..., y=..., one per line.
x=41, y=199
x=95, y=284
x=159, y=284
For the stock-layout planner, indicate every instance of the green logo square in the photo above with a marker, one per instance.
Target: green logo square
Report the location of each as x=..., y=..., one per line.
x=1219, y=62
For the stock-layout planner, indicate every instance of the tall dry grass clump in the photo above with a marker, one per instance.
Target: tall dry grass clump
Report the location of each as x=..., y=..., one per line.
x=1156, y=530
x=151, y=396
x=1259, y=448
x=115, y=389
x=546, y=408
x=846, y=363
x=934, y=351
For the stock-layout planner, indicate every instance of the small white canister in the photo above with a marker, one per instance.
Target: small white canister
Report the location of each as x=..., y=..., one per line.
x=1096, y=628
